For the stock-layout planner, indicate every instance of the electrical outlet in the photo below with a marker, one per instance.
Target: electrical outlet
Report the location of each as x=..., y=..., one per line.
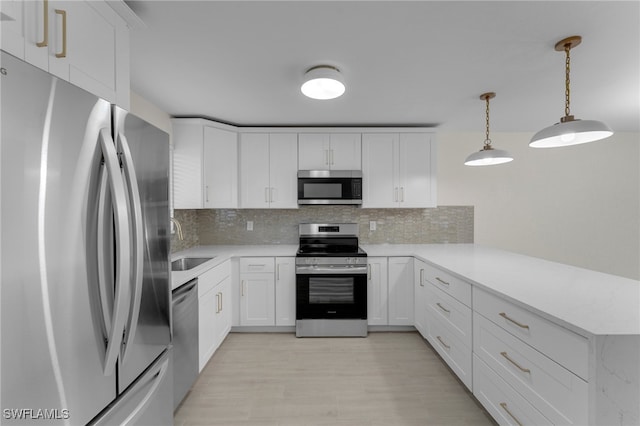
x=249, y=225
x=372, y=225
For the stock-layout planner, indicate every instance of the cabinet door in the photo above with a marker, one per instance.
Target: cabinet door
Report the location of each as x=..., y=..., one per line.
x=401, y=291
x=379, y=176
x=187, y=165
x=345, y=152
x=91, y=30
x=313, y=151
x=285, y=291
x=283, y=169
x=420, y=302
x=417, y=180
x=223, y=311
x=377, y=291
x=257, y=299
x=220, y=167
x=12, y=29
x=207, y=306
x=254, y=170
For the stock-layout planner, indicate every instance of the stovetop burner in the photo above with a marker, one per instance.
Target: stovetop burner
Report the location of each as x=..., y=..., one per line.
x=329, y=240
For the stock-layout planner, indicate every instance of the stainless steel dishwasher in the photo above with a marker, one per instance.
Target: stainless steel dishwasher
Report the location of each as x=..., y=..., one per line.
x=185, y=339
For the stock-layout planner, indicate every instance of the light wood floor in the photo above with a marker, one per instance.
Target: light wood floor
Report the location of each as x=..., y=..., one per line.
x=278, y=379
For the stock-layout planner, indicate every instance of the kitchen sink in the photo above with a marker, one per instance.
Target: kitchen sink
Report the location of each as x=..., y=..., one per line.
x=186, y=263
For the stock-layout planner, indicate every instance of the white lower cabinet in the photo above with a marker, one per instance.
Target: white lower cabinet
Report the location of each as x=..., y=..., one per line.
x=401, y=291
x=257, y=291
x=505, y=405
x=377, y=291
x=285, y=291
x=419, y=301
x=214, y=310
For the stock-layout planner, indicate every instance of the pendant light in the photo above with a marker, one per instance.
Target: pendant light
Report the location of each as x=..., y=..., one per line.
x=323, y=82
x=569, y=131
x=488, y=156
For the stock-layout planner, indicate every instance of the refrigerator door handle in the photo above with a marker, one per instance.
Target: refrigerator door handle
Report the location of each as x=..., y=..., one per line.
x=158, y=378
x=105, y=284
x=123, y=251
x=138, y=242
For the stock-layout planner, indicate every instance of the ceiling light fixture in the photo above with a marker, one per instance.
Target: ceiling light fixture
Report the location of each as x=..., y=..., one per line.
x=569, y=131
x=323, y=82
x=488, y=156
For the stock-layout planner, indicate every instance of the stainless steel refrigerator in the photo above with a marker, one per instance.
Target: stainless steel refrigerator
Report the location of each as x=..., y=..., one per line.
x=84, y=257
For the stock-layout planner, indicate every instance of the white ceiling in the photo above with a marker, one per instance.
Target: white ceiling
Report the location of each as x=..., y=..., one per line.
x=405, y=63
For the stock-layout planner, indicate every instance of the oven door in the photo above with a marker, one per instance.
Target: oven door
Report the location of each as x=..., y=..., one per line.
x=331, y=296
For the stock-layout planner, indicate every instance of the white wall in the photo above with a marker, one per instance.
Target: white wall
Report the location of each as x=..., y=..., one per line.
x=578, y=205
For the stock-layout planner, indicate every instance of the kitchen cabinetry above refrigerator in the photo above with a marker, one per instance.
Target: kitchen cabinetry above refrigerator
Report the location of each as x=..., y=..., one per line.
x=205, y=165
x=83, y=42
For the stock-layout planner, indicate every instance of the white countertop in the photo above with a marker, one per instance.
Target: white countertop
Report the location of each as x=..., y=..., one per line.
x=583, y=300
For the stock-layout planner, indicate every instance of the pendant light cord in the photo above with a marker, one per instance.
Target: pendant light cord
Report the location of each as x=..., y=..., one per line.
x=487, y=141
x=567, y=89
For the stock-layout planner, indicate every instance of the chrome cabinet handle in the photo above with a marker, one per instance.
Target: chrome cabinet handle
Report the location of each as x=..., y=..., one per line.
x=206, y=193
x=242, y=288
x=278, y=272
x=63, y=54
x=221, y=302
x=217, y=303
x=422, y=277
x=45, y=25
x=505, y=316
x=326, y=157
x=443, y=343
x=402, y=194
x=506, y=356
x=515, y=419
x=442, y=281
x=443, y=308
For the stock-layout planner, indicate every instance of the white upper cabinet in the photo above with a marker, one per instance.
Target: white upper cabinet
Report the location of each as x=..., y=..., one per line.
x=398, y=170
x=83, y=42
x=205, y=165
x=329, y=151
x=268, y=170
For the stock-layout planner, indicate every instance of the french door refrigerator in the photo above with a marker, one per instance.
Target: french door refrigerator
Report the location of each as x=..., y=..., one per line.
x=84, y=257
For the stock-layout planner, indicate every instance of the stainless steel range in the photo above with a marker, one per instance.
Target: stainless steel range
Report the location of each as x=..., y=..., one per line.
x=331, y=281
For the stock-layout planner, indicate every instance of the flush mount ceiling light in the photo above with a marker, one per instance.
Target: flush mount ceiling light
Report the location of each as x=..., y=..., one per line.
x=488, y=156
x=323, y=82
x=569, y=131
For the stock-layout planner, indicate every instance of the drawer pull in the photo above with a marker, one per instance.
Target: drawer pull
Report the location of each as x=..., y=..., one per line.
x=524, y=370
x=515, y=419
x=443, y=343
x=503, y=315
x=442, y=281
x=421, y=277
x=443, y=308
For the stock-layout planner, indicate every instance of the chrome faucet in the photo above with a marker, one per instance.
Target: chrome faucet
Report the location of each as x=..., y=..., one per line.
x=178, y=227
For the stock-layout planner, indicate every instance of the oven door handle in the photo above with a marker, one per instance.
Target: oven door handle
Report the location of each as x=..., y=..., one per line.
x=347, y=270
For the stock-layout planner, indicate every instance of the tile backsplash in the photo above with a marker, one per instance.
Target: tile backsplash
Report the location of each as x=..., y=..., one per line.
x=444, y=224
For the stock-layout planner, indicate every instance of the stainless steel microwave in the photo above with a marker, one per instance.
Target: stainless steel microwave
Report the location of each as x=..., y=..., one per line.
x=329, y=187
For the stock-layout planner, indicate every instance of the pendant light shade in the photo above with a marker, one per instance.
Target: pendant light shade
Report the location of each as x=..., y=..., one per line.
x=323, y=82
x=488, y=156
x=569, y=131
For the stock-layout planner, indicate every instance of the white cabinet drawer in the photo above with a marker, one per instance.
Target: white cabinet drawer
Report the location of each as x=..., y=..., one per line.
x=563, y=346
x=256, y=264
x=214, y=276
x=456, y=287
x=454, y=352
x=504, y=404
x=558, y=394
x=453, y=313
